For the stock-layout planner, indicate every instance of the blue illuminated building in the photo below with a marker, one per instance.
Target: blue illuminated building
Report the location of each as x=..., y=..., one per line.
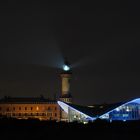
x=129, y=110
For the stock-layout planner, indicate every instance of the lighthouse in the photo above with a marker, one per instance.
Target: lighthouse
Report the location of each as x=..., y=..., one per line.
x=65, y=83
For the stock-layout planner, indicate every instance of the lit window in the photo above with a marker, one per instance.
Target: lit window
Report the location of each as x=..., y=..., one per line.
x=85, y=122
x=127, y=109
x=117, y=109
x=37, y=108
x=125, y=115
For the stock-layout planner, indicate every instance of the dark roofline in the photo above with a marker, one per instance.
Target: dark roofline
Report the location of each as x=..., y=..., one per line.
x=97, y=111
x=26, y=100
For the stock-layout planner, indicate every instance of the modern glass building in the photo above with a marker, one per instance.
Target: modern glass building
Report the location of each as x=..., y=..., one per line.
x=75, y=112
x=126, y=111
x=129, y=110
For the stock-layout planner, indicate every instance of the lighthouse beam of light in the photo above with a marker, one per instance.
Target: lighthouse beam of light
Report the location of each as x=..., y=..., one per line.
x=66, y=67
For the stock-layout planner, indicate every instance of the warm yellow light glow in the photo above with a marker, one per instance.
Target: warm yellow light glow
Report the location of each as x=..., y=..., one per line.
x=37, y=108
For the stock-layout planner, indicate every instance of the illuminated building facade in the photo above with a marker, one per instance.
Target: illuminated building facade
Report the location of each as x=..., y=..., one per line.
x=127, y=111
x=44, y=109
x=121, y=111
x=75, y=113
x=29, y=108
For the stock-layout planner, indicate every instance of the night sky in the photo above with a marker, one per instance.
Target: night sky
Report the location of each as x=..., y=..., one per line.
x=100, y=39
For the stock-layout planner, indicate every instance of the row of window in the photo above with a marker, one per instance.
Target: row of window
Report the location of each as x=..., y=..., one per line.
x=27, y=108
x=66, y=100
x=32, y=114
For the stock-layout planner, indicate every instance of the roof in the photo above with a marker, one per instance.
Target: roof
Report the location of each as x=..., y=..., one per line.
x=25, y=100
x=99, y=110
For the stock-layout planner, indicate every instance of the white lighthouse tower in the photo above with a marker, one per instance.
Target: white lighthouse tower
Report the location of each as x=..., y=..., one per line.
x=65, y=90
x=66, y=78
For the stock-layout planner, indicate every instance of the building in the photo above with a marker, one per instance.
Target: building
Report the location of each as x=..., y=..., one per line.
x=124, y=111
x=66, y=78
x=65, y=93
x=64, y=109
x=45, y=109
x=39, y=108
x=30, y=108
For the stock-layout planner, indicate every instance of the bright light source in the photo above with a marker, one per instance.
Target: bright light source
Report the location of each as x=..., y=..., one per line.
x=127, y=109
x=37, y=108
x=85, y=122
x=117, y=109
x=66, y=68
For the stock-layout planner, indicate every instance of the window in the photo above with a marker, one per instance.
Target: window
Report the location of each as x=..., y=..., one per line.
x=37, y=108
x=25, y=108
x=55, y=114
x=31, y=108
x=7, y=109
x=49, y=108
x=55, y=108
x=14, y=108
x=43, y=114
x=49, y=114
x=0, y=108
x=19, y=108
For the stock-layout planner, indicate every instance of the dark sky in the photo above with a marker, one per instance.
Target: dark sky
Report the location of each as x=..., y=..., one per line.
x=100, y=39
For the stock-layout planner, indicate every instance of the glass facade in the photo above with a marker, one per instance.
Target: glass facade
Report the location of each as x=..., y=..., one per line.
x=74, y=114
x=127, y=111
x=130, y=111
x=77, y=116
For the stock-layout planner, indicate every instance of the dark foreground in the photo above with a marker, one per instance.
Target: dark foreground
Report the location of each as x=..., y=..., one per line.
x=38, y=130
